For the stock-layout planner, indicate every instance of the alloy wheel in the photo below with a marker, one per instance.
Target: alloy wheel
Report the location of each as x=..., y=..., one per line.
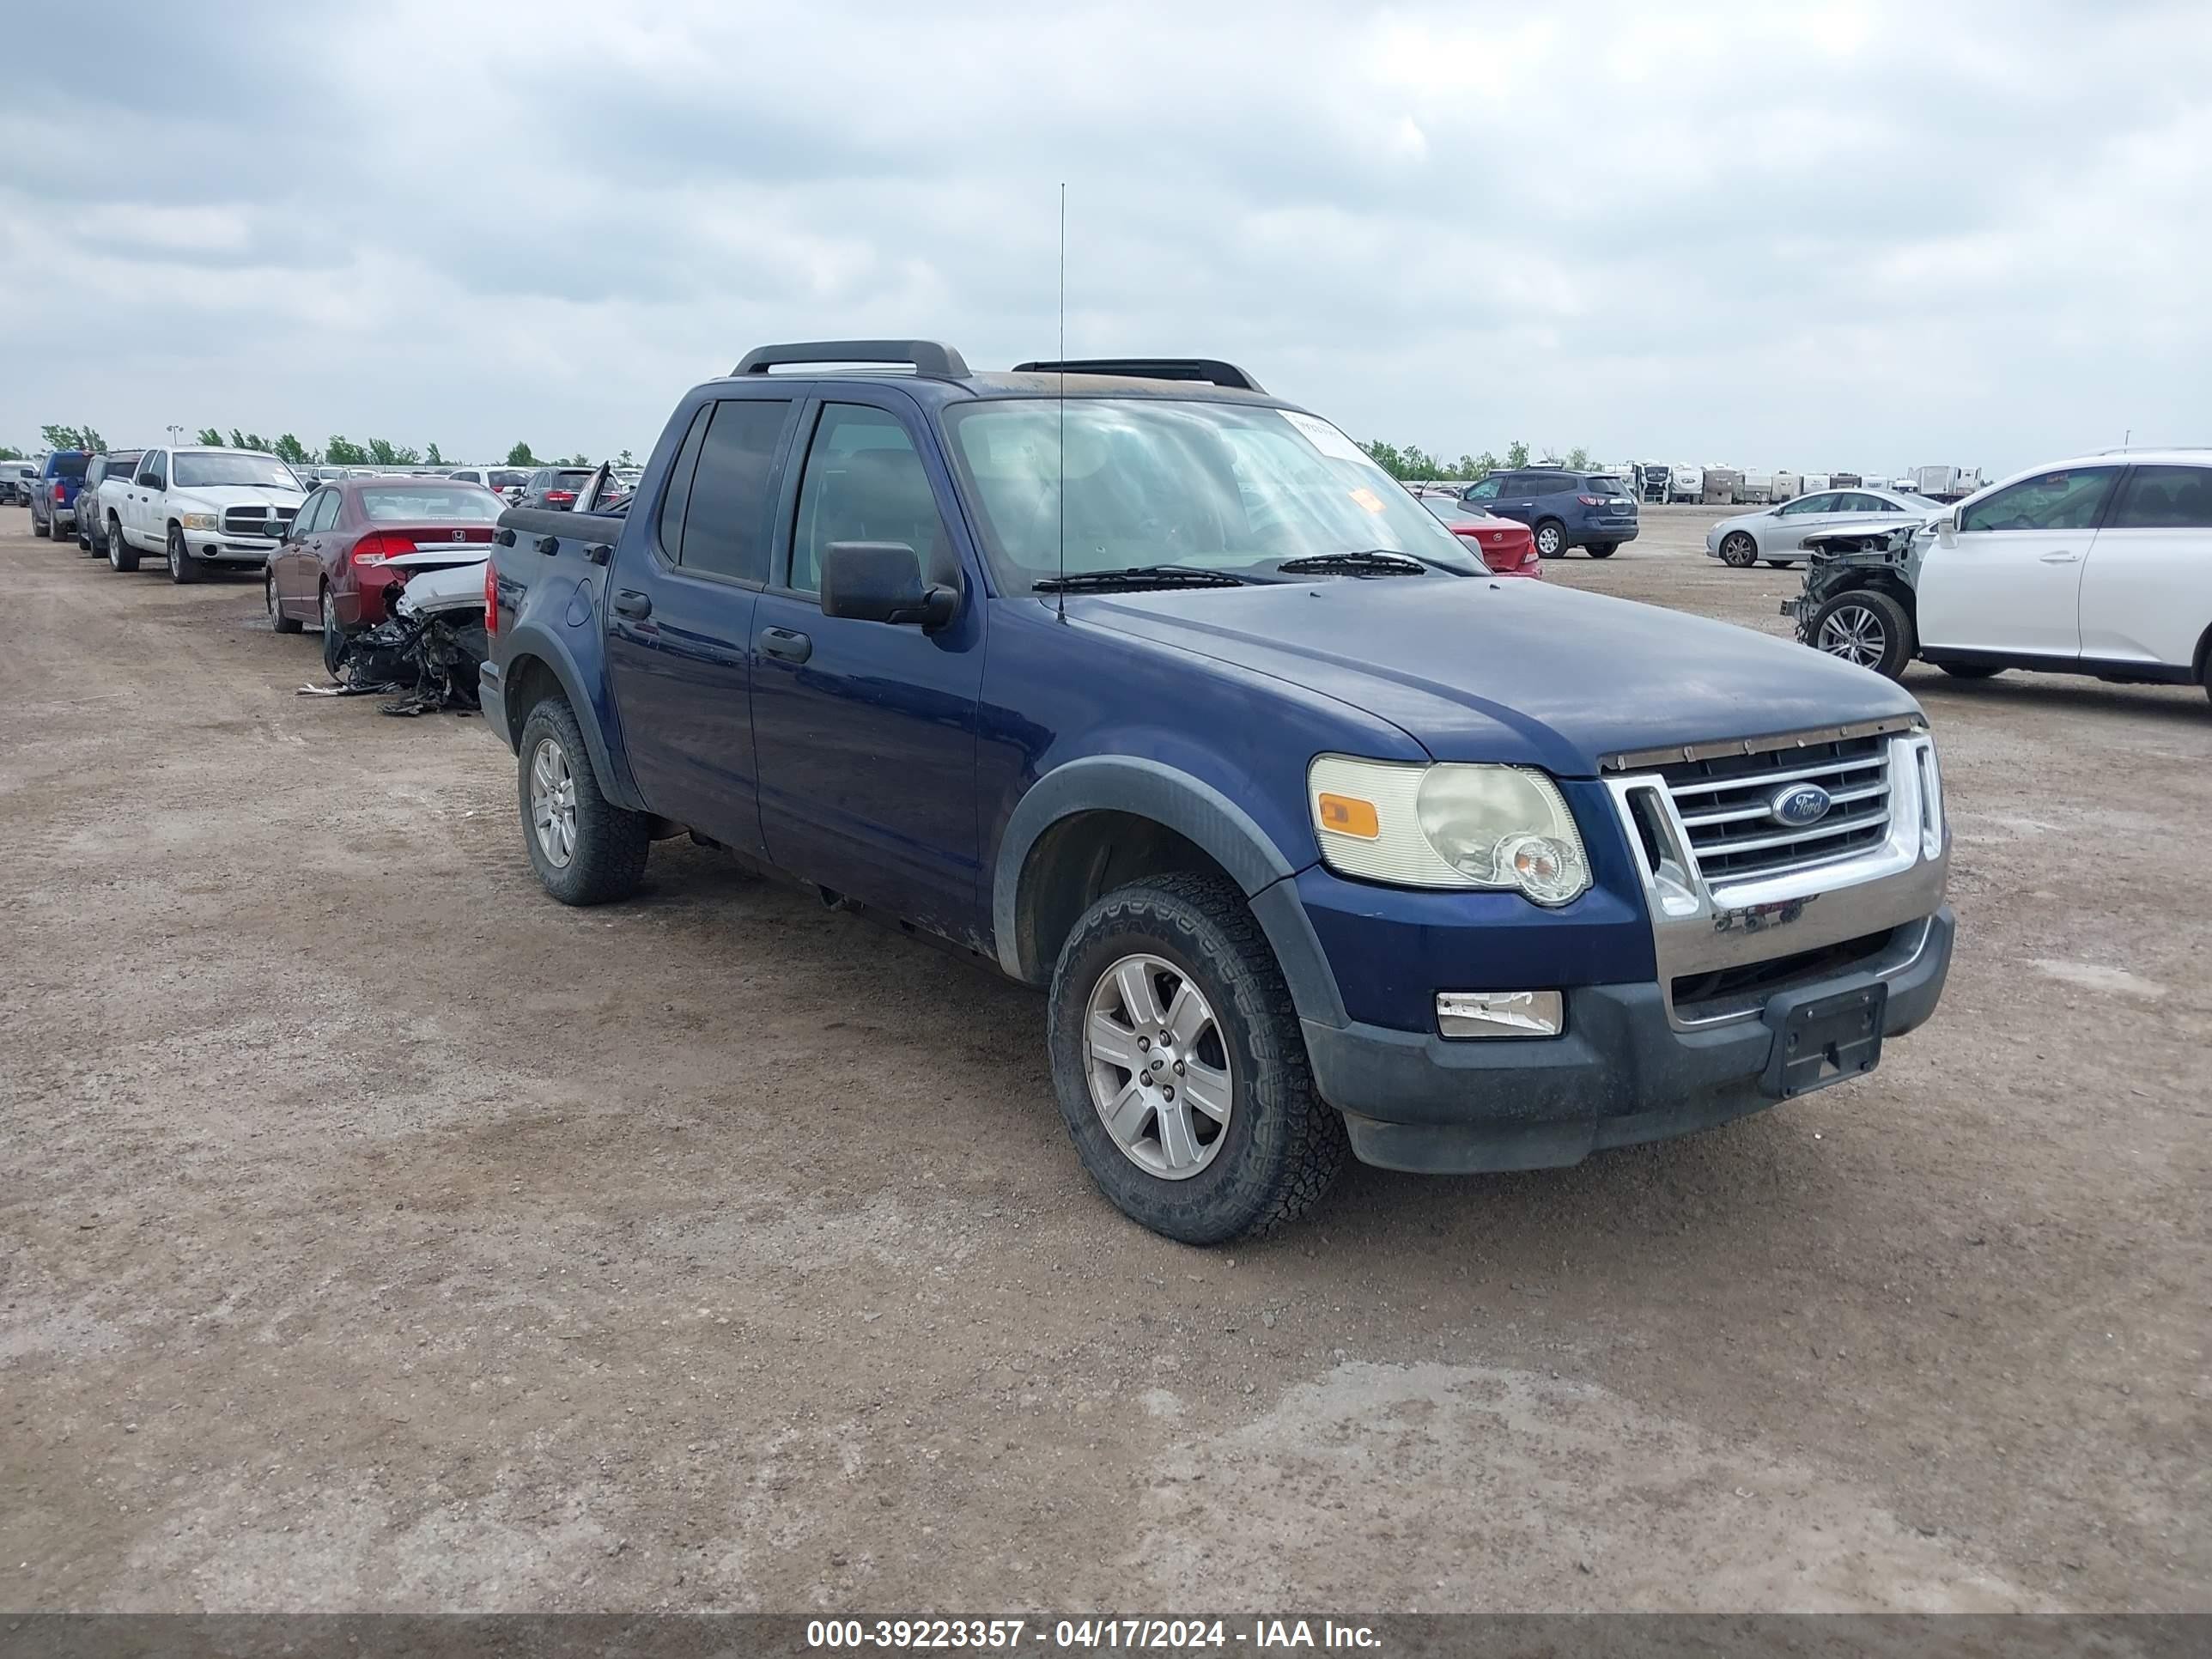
x=1158, y=1065
x=553, y=803
x=1855, y=634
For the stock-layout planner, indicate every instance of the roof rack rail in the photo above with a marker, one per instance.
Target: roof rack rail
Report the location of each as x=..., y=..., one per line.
x=928, y=357
x=2130, y=449
x=1210, y=371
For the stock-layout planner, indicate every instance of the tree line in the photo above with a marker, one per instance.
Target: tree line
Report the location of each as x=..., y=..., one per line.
x=339, y=451
x=1413, y=463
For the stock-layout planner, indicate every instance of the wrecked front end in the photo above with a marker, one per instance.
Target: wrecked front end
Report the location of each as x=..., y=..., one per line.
x=1839, y=560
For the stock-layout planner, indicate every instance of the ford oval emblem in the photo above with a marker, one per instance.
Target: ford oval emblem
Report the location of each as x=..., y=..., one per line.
x=1799, y=805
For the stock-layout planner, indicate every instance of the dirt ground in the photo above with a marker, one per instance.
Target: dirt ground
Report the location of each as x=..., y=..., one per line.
x=379, y=1234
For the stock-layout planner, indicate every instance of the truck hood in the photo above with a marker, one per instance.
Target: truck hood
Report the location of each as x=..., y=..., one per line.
x=1521, y=671
x=221, y=496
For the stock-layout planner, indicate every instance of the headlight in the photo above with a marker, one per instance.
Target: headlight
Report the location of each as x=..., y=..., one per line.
x=1420, y=825
x=200, y=521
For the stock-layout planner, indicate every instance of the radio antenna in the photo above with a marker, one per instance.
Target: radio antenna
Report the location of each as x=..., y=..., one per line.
x=1059, y=438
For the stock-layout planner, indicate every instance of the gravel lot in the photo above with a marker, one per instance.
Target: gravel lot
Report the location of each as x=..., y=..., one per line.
x=379, y=1234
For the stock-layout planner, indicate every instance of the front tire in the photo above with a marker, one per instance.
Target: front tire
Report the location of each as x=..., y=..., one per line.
x=585, y=849
x=1868, y=627
x=1738, y=550
x=1216, y=1132
x=334, y=637
x=183, y=567
x=278, y=622
x=121, y=556
x=1971, y=670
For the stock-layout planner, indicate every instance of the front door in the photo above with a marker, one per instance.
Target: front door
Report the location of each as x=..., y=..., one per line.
x=680, y=606
x=2010, y=579
x=138, y=509
x=866, y=730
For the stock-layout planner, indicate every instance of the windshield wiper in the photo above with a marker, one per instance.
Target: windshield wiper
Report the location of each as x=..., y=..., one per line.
x=1136, y=576
x=1373, y=561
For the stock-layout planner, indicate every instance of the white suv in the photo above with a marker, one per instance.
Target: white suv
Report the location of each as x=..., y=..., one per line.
x=2101, y=565
x=199, y=506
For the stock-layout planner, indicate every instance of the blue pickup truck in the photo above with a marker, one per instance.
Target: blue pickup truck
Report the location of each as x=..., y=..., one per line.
x=1151, y=690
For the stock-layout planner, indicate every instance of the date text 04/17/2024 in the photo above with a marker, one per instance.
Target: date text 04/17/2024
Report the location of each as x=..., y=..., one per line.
x=1091, y=1634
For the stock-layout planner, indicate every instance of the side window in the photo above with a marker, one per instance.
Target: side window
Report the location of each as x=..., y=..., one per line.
x=864, y=482
x=679, y=487
x=1555, y=483
x=726, y=522
x=2165, y=498
x=325, y=514
x=1805, y=504
x=152, y=475
x=2066, y=500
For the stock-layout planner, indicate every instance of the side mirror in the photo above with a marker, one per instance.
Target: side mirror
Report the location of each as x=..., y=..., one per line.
x=1946, y=528
x=881, y=581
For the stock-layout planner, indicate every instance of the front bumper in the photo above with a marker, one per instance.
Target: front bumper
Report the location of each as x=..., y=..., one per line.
x=1623, y=1072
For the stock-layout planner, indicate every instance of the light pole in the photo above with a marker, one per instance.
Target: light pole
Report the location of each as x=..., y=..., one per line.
x=173, y=439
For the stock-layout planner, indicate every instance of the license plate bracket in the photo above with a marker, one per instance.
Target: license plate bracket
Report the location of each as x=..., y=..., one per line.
x=1828, y=1040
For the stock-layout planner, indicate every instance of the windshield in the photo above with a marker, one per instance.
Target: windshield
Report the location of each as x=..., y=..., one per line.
x=1226, y=487
x=198, y=471
x=453, y=504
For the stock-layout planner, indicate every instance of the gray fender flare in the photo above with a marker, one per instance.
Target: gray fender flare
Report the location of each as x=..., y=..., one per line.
x=533, y=641
x=1194, y=810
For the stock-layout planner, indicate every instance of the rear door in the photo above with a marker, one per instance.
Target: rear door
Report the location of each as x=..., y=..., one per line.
x=2147, y=584
x=866, y=730
x=2010, y=579
x=680, y=606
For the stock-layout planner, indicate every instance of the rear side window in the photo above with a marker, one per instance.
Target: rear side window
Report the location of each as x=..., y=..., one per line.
x=1550, y=483
x=2165, y=498
x=864, y=482
x=679, y=485
x=2066, y=500
x=726, y=522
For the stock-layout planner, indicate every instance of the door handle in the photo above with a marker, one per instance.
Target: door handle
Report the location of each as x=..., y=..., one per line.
x=629, y=603
x=785, y=644
x=2060, y=558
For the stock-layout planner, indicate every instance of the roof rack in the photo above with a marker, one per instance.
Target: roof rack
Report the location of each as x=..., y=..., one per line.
x=2131, y=449
x=928, y=357
x=1210, y=371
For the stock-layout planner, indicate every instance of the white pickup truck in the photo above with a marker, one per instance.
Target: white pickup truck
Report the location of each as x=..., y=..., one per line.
x=198, y=508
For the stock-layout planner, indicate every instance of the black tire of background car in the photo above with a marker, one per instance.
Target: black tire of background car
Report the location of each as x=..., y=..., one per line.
x=84, y=535
x=41, y=526
x=1777, y=564
x=1603, y=550
x=612, y=841
x=1559, y=538
x=120, y=553
x=1285, y=1145
x=1971, y=670
x=1738, y=550
x=183, y=567
x=1898, y=639
x=278, y=622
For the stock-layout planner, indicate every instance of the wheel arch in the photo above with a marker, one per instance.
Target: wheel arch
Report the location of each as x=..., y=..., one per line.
x=1098, y=822
x=536, y=667
x=2203, y=661
x=1877, y=581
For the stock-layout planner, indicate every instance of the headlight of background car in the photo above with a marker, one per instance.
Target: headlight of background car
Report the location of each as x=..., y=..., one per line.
x=200, y=521
x=1448, y=825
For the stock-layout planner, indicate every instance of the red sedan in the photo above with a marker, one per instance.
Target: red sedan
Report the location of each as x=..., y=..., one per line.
x=356, y=541
x=1508, y=548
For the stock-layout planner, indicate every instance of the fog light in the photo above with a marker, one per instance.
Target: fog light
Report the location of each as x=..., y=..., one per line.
x=1500, y=1014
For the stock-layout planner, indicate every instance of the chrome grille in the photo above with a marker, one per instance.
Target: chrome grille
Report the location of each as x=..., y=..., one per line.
x=255, y=520
x=1726, y=804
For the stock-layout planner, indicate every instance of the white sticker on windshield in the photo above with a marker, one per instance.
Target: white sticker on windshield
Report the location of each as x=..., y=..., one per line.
x=1323, y=436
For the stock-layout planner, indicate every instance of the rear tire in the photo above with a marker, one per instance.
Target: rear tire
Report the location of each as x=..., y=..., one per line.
x=1778, y=564
x=1738, y=550
x=1603, y=550
x=1280, y=1147
x=1551, y=539
x=183, y=567
x=41, y=527
x=589, y=850
x=1971, y=670
x=1866, y=627
x=334, y=637
x=120, y=553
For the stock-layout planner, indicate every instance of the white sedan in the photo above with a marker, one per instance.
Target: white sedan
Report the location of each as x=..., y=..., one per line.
x=1776, y=534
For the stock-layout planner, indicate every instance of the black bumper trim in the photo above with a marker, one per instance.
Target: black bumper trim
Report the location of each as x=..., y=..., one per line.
x=1621, y=1074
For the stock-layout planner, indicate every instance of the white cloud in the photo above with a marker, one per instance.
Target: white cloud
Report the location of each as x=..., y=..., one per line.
x=1841, y=234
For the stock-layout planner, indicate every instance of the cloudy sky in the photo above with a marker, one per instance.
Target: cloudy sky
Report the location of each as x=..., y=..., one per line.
x=1816, y=235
